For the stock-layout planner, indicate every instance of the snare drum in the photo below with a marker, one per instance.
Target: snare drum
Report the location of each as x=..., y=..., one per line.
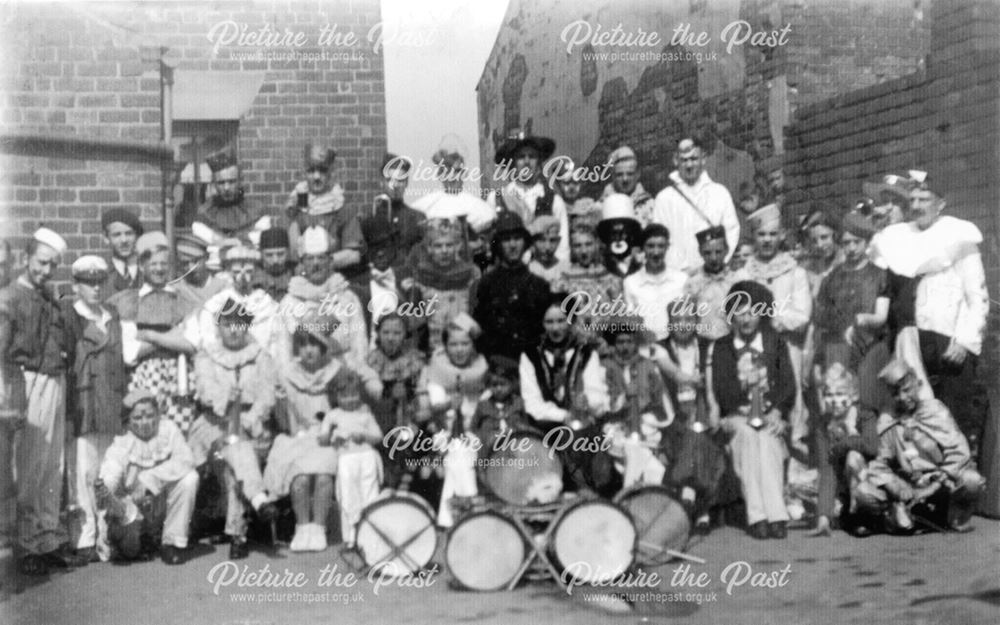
x=396, y=534
x=523, y=471
x=485, y=550
x=594, y=541
x=660, y=520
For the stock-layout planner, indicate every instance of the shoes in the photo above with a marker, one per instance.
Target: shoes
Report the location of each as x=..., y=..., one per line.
x=170, y=555
x=64, y=558
x=961, y=528
x=267, y=512
x=89, y=554
x=300, y=539
x=778, y=529
x=859, y=531
x=317, y=537
x=758, y=530
x=899, y=517
x=703, y=525
x=33, y=564
x=238, y=548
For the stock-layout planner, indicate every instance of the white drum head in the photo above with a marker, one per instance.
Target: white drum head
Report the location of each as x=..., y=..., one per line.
x=397, y=535
x=484, y=551
x=594, y=541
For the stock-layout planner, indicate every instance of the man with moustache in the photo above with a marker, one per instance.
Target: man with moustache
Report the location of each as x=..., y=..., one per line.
x=527, y=195
x=789, y=284
x=319, y=201
x=278, y=268
x=33, y=360
x=227, y=212
x=692, y=202
x=625, y=180
x=710, y=284
x=121, y=229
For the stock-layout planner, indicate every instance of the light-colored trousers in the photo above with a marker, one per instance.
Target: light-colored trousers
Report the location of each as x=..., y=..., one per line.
x=84, y=462
x=759, y=462
x=39, y=459
x=359, y=480
x=459, y=464
x=174, y=505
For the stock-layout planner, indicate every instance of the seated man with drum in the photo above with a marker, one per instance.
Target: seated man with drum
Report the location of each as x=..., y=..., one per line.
x=750, y=377
x=563, y=385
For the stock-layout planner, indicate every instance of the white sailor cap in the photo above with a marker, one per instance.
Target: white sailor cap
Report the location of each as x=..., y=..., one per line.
x=89, y=268
x=50, y=238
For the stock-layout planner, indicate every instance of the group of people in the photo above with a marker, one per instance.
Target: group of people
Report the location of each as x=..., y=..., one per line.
x=281, y=354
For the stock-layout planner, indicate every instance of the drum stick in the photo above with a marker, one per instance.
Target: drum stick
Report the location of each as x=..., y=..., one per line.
x=685, y=556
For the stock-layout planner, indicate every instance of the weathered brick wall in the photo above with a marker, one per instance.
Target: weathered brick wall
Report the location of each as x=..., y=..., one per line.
x=944, y=119
x=70, y=76
x=742, y=98
x=92, y=70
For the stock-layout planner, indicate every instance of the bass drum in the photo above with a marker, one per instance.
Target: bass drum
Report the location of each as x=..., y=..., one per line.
x=594, y=541
x=523, y=471
x=485, y=550
x=660, y=520
x=396, y=534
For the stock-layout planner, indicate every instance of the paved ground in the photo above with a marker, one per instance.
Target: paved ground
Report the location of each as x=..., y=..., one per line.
x=941, y=578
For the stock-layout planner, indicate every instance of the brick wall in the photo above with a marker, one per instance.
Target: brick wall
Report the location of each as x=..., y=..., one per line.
x=944, y=119
x=68, y=76
x=92, y=70
x=742, y=98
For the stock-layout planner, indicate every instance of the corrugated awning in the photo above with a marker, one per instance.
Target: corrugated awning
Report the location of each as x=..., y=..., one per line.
x=214, y=95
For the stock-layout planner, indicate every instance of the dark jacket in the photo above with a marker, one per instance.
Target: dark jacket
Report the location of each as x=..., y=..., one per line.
x=730, y=394
x=508, y=303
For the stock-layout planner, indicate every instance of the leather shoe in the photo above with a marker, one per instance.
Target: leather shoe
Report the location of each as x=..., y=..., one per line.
x=89, y=553
x=267, y=512
x=962, y=528
x=778, y=529
x=170, y=554
x=859, y=531
x=239, y=549
x=758, y=530
x=64, y=558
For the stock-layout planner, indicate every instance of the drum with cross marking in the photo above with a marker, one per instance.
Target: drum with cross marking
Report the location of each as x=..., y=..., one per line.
x=396, y=534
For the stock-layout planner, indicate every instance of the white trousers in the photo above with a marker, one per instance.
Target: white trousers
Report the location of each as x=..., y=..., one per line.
x=759, y=462
x=84, y=462
x=359, y=479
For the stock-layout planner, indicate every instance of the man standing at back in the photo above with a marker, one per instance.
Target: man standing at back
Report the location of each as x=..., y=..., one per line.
x=33, y=346
x=690, y=203
x=121, y=230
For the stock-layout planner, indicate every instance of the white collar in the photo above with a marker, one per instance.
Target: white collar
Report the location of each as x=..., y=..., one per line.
x=702, y=180
x=146, y=289
x=665, y=276
x=757, y=344
x=123, y=268
x=84, y=311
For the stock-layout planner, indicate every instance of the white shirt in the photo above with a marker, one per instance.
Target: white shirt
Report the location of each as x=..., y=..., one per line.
x=528, y=197
x=684, y=222
x=200, y=326
x=595, y=389
x=952, y=298
x=125, y=269
x=648, y=295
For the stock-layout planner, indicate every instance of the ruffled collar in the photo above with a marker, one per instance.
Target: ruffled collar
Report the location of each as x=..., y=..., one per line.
x=148, y=454
x=781, y=264
x=908, y=251
x=230, y=359
x=311, y=382
x=305, y=290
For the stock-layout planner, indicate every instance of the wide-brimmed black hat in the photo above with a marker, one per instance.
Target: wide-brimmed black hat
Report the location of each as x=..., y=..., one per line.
x=508, y=222
x=543, y=145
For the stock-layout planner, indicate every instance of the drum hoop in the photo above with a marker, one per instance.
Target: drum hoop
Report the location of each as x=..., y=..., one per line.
x=626, y=493
x=523, y=433
x=397, y=497
x=494, y=513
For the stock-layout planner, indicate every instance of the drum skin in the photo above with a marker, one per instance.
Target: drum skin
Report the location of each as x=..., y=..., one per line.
x=484, y=551
x=522, y=477
x=401, y=517
x=659, y=519
x=594, y=541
